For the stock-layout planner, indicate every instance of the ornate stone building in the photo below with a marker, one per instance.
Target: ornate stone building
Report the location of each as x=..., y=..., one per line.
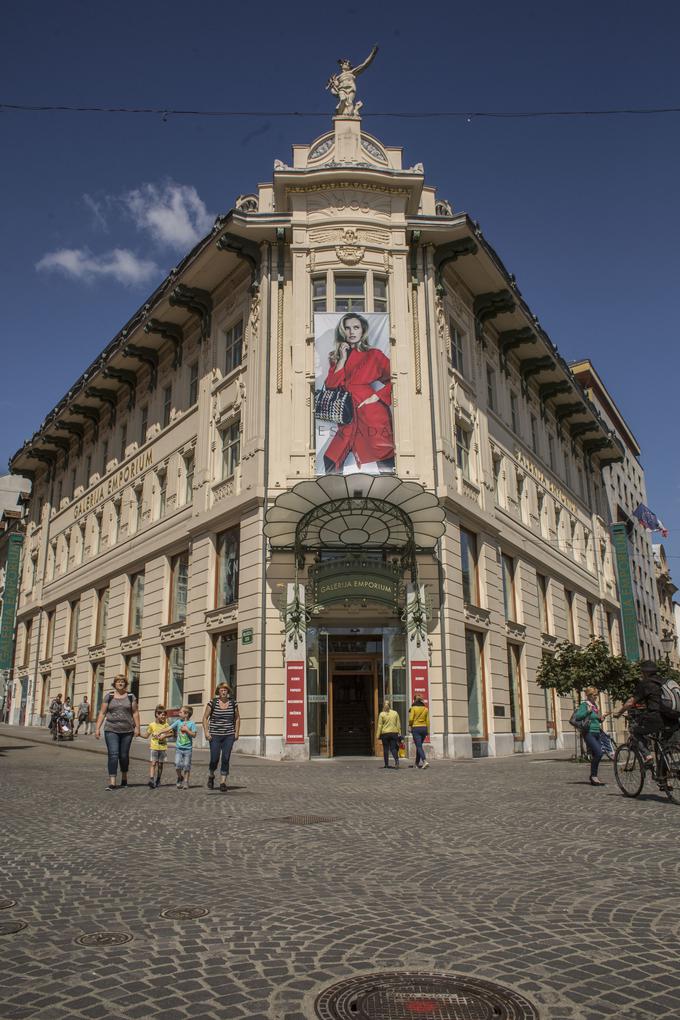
x=198, y=513
x=666, y=589
x=626, y=490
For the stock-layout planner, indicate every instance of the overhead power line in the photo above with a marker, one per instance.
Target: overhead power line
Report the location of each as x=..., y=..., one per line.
x=421, y=114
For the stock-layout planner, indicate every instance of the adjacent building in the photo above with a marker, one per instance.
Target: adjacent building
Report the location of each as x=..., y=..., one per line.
x=14, y=495
x=333, y=458
x=626, y=490
x=665, y=590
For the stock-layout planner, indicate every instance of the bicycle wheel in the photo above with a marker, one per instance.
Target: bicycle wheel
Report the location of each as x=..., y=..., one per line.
x=669, y=779
x=629, y=771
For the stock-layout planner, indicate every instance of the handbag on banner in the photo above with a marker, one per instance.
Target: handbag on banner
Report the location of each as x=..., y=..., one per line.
x=334, y=405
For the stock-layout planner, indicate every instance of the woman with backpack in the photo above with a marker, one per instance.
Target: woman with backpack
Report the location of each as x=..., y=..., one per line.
x=588, y=714
x=221, y=725
x=120, y=716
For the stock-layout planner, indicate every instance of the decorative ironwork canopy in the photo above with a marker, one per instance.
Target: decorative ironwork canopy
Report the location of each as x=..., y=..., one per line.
x=355, y=512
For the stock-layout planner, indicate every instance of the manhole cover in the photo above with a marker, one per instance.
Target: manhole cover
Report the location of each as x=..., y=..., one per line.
x=11, y=927
x=6, y=904
x=408, y=996
x=104, y=938
x=185, y=913
x=305, y=819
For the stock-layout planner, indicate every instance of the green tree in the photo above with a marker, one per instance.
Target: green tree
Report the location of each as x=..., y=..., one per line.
x=572, y=668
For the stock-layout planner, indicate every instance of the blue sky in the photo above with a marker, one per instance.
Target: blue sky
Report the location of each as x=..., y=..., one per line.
x=585, y=212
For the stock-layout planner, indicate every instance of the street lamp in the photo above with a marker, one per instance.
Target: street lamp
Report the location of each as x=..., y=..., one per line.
x=668, y=643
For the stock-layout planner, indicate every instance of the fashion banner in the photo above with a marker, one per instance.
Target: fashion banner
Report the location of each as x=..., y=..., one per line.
x=353, y=393
x=420, y=683
x=295, y=702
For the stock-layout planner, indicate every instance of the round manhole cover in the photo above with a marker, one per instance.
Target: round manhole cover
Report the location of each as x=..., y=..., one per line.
x=185, y=913
x=104, y=938
x=410, y=996
x=11, y=927
x=6, y=904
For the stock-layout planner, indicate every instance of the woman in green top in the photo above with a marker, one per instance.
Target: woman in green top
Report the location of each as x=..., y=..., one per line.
x=389, y=727
x=588, y=709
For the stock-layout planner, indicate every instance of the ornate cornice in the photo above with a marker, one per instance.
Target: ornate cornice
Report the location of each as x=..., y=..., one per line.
x=128, y=379
x=91, y=413
x=244, y=249
x=148, y=356
x=445, y=253
x=110, y=397
x=534, y=366
x=197, y=301
x=172, y=632
x=489, y=305
x=168, y=331
x=75, y=429
x=512, y=338
x=222, y=618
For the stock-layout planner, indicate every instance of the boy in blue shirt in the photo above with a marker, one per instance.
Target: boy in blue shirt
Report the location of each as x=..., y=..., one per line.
x=185, y=731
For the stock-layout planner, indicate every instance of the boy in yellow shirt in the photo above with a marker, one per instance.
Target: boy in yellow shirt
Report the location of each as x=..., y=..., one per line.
x=158, y=732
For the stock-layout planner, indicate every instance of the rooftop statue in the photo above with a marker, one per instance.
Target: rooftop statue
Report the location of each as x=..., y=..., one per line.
x=344, y=85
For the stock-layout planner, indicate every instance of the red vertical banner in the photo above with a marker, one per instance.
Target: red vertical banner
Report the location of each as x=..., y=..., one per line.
x=295, y=702
x=420, y=682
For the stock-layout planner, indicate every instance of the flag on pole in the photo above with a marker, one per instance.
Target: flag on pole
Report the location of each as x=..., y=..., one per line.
x=649, y=520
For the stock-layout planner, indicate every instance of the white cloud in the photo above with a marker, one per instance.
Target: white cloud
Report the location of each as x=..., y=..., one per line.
x=95, y=207
x=173, y=214
x=79, y=264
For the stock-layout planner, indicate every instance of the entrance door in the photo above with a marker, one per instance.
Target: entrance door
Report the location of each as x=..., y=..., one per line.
x=24, y=701
x=354, y=705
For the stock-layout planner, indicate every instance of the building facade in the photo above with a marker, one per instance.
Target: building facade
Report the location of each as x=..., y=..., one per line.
x=666, y=590
x=626, y=490
x=14, y=495
x=333, y=458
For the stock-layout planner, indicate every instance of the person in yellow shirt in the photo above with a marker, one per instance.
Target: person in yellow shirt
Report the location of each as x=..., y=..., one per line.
x=389, y=728
x=158, y=732
x=419, y=725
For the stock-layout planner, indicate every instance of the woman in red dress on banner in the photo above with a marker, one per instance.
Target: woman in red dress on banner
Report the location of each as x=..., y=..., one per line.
x=355, y=365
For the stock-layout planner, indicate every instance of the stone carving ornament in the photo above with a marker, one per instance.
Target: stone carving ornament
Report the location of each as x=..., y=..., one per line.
x=349, y=251
x=344, y=85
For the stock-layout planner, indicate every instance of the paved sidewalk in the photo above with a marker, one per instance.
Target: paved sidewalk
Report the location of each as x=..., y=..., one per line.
x=513, y=870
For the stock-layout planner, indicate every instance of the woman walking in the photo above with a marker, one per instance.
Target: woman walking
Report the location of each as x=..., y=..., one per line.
x=419, y=724
x=221, y=725
x=589, y=712
x=120, y=716
x=389, y=727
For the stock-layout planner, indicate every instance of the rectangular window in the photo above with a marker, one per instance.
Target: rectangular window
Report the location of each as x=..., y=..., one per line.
x=188, y=478
x=509, y=603
x=136, y=510
x=569, y=601
x=514, y=413
x=475, y=683
x=73, y=626
x=231, y=448
x=463, y=451
x=591, y=620
x=456, y=347
x=105, y=455
x=97, y=689
x=69, y=684
x=551, y=452
x=123, y=441
x=379, y=294
x=193, y=384
x=88, y=471
x=227, y=567
x=28, y=627
x=496, y=468
x=96, y=534
x=115, y=521
x=143, y=424
x=543, y=610
x=226, y=648
x=136, y=603
x=133, y=671
x=319, y=294
x=233, y=347
x=514, y=691
x=175, y=676
x=162, y=493
x=179, y=587
x=167, y=405
x=102, y=615
x=49, y=635
x=349, y=294
x=567, y=469
x=534, y=434
x=468, y=559
x=490, y=388
x=73, y=483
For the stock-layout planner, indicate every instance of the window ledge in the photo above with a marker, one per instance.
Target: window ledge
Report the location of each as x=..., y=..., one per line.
x=222, y=617
x=515, y=630
x=225, y=487
x=549, y=641
x=173, y=632
x=45, y=665
x=68, y=659
x=131, y=643
x=97, y=652
x=475, y=614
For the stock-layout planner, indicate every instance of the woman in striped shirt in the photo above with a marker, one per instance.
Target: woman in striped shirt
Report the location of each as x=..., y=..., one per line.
x=221, y=725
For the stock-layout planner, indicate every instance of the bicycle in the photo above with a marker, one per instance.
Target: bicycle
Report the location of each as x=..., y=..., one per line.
x=630, y=768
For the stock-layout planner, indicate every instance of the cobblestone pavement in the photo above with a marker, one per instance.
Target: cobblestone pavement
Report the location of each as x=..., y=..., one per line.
x=511, y=870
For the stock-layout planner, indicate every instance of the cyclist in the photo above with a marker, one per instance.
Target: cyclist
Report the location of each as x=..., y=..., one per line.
x=646, y=700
